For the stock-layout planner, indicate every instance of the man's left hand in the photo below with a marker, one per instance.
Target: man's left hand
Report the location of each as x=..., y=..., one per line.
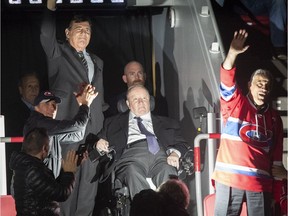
x=173, y=160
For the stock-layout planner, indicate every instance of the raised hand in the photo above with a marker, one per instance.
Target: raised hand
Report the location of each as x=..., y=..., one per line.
x=69, y=164
x=86, y=95
x=237, y=46
x=51, y=4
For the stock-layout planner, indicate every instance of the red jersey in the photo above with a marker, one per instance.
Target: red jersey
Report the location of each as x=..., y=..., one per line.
x=251, y=140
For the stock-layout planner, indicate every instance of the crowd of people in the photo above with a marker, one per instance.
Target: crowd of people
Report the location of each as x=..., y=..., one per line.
x=49, y=180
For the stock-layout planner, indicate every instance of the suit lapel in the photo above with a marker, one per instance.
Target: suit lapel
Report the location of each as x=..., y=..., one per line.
x=157, y=125
x=124, y=122
x=72, y=56
x=97, y=69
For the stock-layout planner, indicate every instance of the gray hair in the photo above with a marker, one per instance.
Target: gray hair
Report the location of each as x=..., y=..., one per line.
x=264, y=73
x=136, y=86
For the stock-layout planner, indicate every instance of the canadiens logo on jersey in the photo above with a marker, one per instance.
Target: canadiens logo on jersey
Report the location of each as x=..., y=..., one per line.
x=256, y=136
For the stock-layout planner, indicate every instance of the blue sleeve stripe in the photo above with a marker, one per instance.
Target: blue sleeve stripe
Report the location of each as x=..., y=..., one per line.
x=227, y=92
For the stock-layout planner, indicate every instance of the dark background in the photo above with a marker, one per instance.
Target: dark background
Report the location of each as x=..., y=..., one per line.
x=118, y=36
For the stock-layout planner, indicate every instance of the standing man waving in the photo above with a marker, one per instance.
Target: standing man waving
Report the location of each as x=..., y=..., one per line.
x=70, y=63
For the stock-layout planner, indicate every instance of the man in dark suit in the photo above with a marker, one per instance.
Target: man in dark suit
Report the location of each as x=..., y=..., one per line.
x=135, y=161
x=29, y=87
x=18, y=113
x=69, y=64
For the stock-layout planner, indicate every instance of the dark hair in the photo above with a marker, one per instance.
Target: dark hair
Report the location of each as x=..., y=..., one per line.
x=34, y=140
x=147, y=203
x=78, y=18
x=177, y=190
x=26, y=75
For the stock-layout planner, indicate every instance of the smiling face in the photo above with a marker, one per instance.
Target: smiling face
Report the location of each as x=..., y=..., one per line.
x=259, y=89
x=138, y=100
x=79, y=34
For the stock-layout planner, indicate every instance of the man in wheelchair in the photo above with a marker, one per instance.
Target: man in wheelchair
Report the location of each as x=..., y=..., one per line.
x=145, y=145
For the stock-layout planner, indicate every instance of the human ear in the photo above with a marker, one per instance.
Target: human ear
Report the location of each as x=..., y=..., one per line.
x=128, y=104
x=67, y=33
x=249, y=84
x=124, y=78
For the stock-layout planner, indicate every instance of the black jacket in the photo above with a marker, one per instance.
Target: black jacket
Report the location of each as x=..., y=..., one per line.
x=60, y=132
x=167, y=130
x=36, y=191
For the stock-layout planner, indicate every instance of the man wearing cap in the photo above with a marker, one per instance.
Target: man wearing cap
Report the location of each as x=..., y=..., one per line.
x=60, y=131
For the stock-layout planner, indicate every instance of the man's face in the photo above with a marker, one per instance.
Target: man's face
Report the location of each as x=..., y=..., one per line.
x=259, y=88
x=133, y=74
x=138, y=101
x=29, y=89
x=48, y=109
x=78, y=35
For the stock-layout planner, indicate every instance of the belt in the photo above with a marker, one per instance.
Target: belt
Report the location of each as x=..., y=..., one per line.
x=135, y=142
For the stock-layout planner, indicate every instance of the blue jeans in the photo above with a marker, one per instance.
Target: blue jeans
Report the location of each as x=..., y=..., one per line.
x=229, y=201
x=276, y=10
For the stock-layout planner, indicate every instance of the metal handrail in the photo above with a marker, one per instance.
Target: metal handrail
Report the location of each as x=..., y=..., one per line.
x=197, y=167
x=11, y=139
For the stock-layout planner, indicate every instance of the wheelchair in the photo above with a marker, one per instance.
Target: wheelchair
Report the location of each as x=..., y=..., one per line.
x=113, y=197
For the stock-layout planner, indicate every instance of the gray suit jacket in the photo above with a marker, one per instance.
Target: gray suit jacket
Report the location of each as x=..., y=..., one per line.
x=66, y=72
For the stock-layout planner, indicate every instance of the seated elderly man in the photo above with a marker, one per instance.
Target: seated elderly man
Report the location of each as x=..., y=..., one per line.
x=147, y=146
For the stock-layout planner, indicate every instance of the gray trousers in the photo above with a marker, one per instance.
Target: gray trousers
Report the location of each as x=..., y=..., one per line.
x=82, y=199
x=229, y=201
x=137, y=163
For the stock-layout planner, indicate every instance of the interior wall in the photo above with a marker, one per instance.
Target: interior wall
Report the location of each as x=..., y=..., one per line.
x=189, y=72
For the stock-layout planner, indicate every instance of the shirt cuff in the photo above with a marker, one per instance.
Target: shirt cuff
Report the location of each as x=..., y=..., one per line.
x=169, y=151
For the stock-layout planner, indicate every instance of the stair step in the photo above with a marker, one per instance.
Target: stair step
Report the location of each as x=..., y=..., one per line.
x=285, y=122
x=285, y=152
x=280, y=103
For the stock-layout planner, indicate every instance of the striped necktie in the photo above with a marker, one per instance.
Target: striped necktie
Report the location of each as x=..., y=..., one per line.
x=83, y=60
x=153, y=145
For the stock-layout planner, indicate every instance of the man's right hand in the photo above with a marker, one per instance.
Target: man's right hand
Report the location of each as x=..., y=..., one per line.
x=87, y=95
x=236, y=47
x=102, y=145
x=70, y=162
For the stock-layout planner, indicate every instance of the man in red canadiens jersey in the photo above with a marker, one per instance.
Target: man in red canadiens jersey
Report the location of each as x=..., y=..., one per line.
x=251, y=140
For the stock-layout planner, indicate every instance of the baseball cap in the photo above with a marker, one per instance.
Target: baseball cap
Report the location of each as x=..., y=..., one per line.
x=46, y=96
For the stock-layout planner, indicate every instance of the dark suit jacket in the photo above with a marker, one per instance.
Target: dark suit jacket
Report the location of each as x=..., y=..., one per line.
x=167, y=130
x=66, y=72
x=15, y=118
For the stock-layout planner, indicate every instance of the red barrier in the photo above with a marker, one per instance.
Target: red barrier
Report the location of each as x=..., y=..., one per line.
x=11, y=139
x=7, y=205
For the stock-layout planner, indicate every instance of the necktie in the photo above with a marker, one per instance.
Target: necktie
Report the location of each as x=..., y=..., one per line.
x=153, y=145
x=83, y=60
